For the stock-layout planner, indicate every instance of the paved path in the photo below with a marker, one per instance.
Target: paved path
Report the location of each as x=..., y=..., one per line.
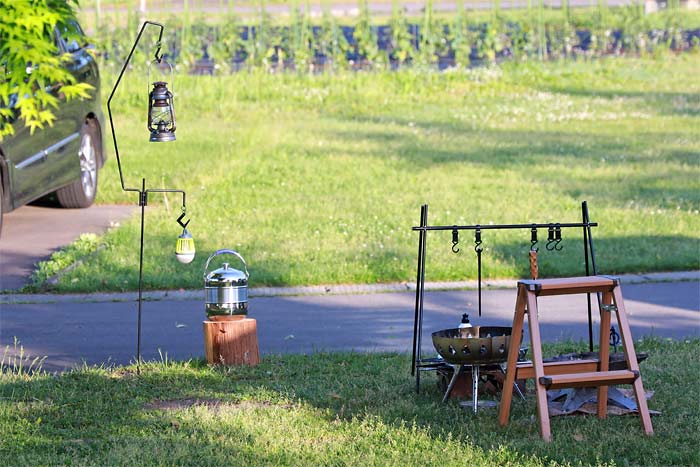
x=70, y=330
x=25, y=241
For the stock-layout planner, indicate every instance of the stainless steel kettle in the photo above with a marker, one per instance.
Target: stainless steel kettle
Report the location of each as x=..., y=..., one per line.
x=226, y=289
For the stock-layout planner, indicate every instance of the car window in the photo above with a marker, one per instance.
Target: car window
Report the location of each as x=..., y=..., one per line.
x=71, y=36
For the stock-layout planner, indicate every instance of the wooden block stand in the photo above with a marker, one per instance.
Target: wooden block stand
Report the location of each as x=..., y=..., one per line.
x=231, y=342
x=572, y=374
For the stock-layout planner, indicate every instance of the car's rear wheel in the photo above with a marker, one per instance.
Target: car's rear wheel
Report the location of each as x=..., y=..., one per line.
x=81, y=193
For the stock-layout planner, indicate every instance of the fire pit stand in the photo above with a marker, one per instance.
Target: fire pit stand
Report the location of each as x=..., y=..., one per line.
x=475, y=383
x=458, y=370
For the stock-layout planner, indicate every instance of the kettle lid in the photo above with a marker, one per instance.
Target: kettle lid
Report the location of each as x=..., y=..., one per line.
x=227, y=275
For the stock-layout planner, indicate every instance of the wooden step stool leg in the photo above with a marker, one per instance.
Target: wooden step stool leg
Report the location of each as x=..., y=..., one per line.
x=632, y=364
x=604, y=351
x=536, y=344
x=513, y=350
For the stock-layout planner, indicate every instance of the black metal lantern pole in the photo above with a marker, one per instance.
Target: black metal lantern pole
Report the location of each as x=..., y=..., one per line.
x=161, y=123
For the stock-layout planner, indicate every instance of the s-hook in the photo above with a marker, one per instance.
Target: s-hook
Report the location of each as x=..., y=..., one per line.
x=478, y=248
x=554, y=238
x=179, y=219
x=614, y=338
x=455, y=240
x=534, y=269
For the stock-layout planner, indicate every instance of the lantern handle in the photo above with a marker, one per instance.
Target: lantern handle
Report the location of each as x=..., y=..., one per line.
x=230, y=252
x=172, y=78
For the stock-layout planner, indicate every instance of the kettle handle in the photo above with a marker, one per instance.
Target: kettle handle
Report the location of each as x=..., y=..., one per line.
x=221, y=252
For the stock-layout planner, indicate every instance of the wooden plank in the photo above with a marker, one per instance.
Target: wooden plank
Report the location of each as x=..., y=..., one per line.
x=570, y=285
x=526, y=370
x=591, y=379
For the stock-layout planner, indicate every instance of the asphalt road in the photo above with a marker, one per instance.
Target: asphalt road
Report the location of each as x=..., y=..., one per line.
x=69, y=332
x=31, y=233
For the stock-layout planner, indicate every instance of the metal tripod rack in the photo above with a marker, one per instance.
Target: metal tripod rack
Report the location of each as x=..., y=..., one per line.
x=418, y=363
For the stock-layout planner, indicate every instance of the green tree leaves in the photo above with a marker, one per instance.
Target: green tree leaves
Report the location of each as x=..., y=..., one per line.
x=31, y=66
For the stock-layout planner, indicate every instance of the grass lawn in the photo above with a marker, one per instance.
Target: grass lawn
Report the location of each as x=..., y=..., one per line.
x=325, y=409
x=319, y=178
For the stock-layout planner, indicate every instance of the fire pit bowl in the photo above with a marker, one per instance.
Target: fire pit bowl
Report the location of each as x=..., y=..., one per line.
x=491, y=345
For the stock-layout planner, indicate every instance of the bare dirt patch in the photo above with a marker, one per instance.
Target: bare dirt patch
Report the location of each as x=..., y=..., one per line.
x=215, y=404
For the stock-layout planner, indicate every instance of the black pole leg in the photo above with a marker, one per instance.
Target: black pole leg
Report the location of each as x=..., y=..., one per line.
x=416, y=355
x=420, y=295
x=142, y=203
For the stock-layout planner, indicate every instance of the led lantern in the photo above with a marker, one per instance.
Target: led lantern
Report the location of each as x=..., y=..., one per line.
x=184, y=248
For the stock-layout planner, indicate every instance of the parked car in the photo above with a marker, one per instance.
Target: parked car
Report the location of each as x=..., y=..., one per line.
x=64, y=158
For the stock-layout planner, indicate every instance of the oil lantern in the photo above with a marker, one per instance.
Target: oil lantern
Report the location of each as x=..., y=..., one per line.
x=161, y=113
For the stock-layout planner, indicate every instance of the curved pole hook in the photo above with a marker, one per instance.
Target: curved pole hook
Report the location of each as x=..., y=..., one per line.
x=455, y=240
x=114, y=90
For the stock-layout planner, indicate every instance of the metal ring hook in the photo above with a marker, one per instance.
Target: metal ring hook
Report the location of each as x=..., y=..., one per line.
x=455, y=240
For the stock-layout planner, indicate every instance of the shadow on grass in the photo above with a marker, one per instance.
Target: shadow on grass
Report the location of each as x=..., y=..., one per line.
x=683, y=104
x=489, y=147
x=99, y=417
x=362, y=402
x=501, y=147
x=602, y=163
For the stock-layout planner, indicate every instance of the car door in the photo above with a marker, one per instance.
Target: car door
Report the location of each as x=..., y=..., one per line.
x=26, y=159
x=63, y=159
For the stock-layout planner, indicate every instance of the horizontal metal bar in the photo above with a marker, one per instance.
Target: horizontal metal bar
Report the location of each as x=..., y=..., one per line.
x=164, y=190
x=169, y=190
x=507, y=226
